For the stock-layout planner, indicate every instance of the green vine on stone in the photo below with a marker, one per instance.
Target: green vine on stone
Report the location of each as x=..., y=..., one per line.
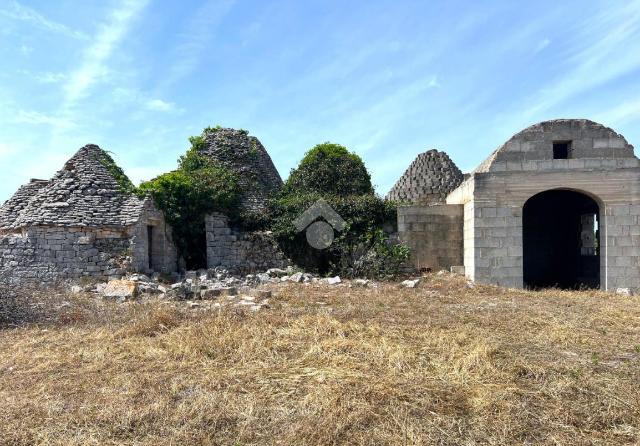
x=124, y=183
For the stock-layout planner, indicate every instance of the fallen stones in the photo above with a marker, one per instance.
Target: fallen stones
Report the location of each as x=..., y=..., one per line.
x=333, y=280
x=210, y=294
x=120, y=289
x=410, y=283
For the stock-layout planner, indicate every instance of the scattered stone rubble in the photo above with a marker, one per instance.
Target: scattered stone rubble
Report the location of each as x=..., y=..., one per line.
x=216, y=287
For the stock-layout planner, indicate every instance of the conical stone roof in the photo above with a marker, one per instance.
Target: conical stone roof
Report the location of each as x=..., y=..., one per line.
x=85, y=192
x=428, y=180
x=247, y=157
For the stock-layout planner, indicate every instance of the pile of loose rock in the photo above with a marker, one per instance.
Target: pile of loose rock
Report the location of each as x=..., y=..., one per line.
x=209, y=288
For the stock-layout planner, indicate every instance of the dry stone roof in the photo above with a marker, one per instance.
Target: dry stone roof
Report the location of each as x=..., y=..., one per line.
x=84, y=193
x=248, y=158
x=428, y=180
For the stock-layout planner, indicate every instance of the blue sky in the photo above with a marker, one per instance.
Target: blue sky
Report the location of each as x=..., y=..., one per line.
x=388, y=79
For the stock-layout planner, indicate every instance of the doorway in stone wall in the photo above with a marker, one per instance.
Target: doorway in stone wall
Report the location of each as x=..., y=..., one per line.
x=150, y=246
x=561, y=240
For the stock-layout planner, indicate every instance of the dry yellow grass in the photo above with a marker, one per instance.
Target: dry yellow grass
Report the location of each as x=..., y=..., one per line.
x=441, y=364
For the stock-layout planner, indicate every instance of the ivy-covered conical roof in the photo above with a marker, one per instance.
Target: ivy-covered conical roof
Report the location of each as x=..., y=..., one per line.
x=248, y=159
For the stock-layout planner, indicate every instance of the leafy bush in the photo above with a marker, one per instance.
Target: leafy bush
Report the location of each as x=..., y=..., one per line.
x=198, y=187
x=330, y=169
x=331, y=172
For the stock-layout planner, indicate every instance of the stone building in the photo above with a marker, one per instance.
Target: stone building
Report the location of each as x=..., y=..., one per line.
x=82, y=223
x=423, y=190
x=247, y=157
x=230, y=246
x=556, y=205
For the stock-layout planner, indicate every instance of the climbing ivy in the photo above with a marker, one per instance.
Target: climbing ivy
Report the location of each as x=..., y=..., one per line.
x=198, y=187
x=124, y=183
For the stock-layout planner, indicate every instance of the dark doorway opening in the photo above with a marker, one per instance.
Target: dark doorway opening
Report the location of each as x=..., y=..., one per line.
x=561, y=241
x=150, y=246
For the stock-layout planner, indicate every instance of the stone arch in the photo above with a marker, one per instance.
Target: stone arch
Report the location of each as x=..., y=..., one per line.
x=562, y=230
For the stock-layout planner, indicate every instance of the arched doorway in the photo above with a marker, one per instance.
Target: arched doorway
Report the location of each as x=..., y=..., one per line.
x=561, y=240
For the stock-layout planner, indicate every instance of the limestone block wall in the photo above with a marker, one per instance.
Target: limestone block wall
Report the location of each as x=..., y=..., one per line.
x=51, y=253
x=164, y=257
x=493, y=222
x=434, y=234
x=241, y=252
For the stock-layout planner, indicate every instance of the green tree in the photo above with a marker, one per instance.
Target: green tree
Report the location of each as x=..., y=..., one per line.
x=330, y=169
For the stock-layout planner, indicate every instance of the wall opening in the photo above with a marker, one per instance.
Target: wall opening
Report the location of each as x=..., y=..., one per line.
x=561, y=241
x=150, y=246
x=561, y=150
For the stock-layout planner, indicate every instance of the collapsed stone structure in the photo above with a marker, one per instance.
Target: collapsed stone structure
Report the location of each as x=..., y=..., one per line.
x=247, y=157
x=82, y=223
x=228, y=246
x=556, y=205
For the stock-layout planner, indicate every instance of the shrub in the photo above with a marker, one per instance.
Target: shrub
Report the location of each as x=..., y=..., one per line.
x=330, y=169
x=366, y=215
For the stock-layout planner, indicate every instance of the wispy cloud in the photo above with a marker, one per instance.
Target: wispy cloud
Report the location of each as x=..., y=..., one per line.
x=606, y=47
x=33, y=117
x=46, y=77
x=624, y=112
x=542, y=45
x=196, y=38
x=17, y=11
x=94, y=65
x=159, y=105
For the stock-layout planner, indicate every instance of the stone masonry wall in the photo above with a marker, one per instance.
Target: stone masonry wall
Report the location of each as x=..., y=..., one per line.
x=434, y=234
x=493, y=223
x=163, y=251
x=51, y=253
x=241, y=252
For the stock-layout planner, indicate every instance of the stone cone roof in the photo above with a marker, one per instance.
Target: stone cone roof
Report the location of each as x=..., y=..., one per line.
x=84, y=193
x=428, y=180
x=247, y=157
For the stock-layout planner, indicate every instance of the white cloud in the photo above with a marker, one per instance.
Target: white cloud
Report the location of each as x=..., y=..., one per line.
x=196, y=38
x=626, y=111
x=6, y=151
x=94, y=65
x=159, y=105
x=33, y=117
x=26, y=50
x=542, y=45
x=606, y=48
x=18, y=11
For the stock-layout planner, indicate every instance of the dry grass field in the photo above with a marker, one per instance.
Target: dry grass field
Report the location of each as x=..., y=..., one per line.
x=328, y=365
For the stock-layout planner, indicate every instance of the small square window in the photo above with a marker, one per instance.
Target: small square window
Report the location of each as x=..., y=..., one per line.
x=561, y=150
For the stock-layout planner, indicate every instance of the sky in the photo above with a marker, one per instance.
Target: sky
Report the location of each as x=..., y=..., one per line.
x=387, y=79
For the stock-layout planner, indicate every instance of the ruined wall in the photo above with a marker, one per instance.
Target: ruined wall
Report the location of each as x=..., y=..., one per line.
x=241, y=252
x=164, y=257
x=51, y=253
x=434, y=234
